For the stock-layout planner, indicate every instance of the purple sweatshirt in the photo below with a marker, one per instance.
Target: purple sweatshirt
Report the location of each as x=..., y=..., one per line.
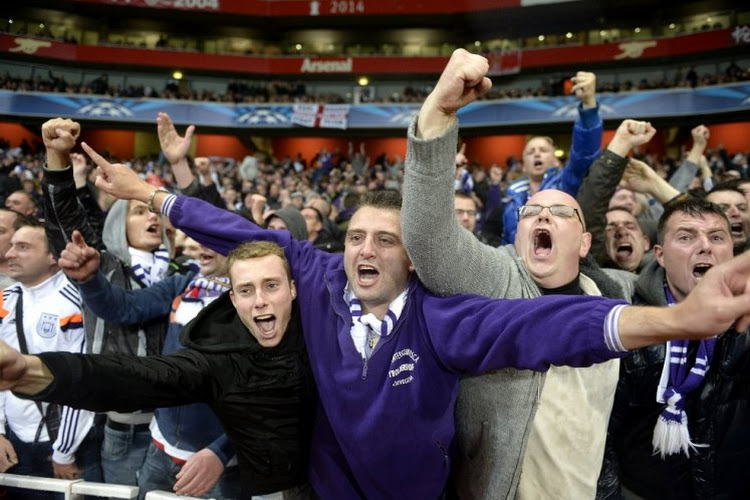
x=385, y=427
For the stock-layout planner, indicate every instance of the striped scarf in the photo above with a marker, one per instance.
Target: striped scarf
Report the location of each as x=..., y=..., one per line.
x=671, y=433
x=199, y=293
x=151, y=272
x=369, y=326
x=206, y=286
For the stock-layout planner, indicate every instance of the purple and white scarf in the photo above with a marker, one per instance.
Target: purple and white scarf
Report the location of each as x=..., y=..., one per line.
x=149, y=267
x=201, y=291
x=367, y=329
x=671, y=434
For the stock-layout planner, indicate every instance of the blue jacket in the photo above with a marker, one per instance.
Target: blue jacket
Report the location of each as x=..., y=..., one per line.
x=385, y=427
x=190, y=427
x=586, y=146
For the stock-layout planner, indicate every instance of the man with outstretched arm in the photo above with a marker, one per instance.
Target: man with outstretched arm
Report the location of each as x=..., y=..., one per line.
x=678, y=427
x=254, y=374
x=189, y=452
x=516, y=435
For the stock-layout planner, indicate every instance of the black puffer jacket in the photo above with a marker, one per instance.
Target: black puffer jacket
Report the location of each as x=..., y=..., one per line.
x=718, y=416
x=264, y=397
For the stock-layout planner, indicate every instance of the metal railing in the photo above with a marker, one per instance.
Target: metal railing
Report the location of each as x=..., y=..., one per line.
x=75, y=489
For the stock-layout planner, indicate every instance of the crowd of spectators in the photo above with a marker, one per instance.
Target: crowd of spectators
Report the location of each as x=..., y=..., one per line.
x=329, y=174
x=281, y=91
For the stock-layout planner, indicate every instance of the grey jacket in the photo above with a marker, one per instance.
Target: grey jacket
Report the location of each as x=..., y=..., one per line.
x=494, y=411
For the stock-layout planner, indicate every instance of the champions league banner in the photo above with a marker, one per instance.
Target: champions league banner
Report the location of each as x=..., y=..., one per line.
x=645, y=104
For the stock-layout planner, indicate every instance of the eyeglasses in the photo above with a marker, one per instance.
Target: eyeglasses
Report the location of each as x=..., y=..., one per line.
x=563, y=211
x=461, y=212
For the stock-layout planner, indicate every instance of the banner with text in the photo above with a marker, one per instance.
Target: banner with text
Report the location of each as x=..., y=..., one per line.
x=321, y=115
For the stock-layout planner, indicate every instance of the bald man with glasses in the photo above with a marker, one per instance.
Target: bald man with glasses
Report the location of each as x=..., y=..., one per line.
x=506, y=446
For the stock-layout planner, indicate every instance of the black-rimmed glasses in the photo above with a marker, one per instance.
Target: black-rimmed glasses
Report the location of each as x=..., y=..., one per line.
x=563, y=211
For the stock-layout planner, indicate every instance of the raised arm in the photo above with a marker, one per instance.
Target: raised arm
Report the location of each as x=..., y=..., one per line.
x=684, y=175
x=175, y=148
x=218, y=229
x=706, y=174
x=85, y=193
x=447, y=257
x=462, y=82
x=225, y=231
x=641, y=178
x=603, y=178
x=587, y=135
x=63, y=213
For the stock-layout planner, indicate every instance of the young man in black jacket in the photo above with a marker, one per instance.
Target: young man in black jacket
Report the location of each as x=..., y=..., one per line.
x=245, y=358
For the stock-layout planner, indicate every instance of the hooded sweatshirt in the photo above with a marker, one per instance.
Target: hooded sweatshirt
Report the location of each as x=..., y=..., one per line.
x=294, y=221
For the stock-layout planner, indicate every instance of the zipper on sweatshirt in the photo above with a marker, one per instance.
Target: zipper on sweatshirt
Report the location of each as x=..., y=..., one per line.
x=443, y=450
x=377, y=348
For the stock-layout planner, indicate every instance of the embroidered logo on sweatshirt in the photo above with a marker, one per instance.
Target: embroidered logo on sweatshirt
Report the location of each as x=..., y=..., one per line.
x=403, y=364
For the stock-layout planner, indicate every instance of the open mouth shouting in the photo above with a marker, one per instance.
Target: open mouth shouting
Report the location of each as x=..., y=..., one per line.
x=367, y=274
x=542, y=240
x=700, y=269
x=624, y=251
x=737, y=230
x=153, y=229
x=538, y=166
x=266, y=324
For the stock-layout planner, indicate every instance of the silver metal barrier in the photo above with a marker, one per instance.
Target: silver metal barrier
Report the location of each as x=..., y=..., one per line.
x=73, y=489
x=164, y=495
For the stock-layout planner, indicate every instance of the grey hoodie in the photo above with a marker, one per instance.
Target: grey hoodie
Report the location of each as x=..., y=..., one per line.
x=114, y=235
x=294, y=221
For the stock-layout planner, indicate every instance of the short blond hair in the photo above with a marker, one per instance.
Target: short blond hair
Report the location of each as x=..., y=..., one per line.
x=543, y=137
x=256, y=250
